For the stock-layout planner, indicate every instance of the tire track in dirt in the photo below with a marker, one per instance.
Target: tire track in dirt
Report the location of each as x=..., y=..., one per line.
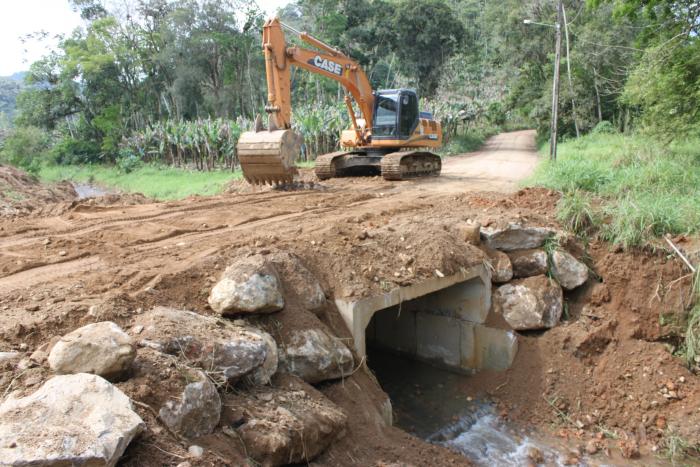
x=48, y=273
x=102, y=224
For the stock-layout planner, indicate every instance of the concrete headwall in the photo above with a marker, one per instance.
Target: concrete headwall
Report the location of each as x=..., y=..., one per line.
x=440, y=321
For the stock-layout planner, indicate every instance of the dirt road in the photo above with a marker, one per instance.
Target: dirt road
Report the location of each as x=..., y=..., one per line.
x=504, y=161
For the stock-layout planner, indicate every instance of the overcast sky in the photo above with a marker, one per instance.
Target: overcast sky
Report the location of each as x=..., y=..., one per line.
x=22, y=17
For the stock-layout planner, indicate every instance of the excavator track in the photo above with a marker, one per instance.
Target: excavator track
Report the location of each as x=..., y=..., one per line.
x=410, y=164
x=325, y=166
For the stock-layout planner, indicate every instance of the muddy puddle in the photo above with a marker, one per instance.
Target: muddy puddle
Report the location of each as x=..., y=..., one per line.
x=86, y=190
x=438, y=406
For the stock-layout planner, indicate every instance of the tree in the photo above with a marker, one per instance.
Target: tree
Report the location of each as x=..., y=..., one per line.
x=9, y=89
x=426, y=34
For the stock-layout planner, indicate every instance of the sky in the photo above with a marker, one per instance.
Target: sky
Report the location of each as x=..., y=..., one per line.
x=22, y=17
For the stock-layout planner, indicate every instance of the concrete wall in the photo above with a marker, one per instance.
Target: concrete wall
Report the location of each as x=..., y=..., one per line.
x=440, y=321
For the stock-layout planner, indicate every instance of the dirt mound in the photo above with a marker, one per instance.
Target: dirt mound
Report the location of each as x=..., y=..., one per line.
x=605, y=369
x=21, y=193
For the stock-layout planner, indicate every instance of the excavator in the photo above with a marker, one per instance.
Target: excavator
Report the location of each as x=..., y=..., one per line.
x=389, y=136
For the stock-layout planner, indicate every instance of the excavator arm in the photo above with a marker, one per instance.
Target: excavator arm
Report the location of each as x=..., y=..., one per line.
x=267, y=156
x=330, y=62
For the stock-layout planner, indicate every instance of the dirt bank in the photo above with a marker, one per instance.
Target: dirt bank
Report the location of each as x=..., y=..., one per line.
x=21, y=193
x=603, y=370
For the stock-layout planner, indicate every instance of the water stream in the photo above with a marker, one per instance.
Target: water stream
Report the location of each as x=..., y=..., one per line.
x=435, y=405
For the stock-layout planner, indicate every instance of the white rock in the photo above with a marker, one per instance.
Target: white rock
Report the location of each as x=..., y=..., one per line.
x=568, y=271
x=100, y=348
x=71, y=420
x=195, y=451
x=315, y=356
x=250, y=285
x=197, y=412
x=515, y=237
x=264, y=372
x=532, y=303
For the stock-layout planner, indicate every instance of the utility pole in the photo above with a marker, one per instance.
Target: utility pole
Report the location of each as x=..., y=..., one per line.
x=555, y=86
x=568, y=68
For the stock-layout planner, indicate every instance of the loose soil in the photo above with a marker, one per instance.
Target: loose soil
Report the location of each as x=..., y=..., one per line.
x=606, y=369
x=21, y=193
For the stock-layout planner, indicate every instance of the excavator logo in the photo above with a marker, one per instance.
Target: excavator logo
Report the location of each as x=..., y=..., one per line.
x=327, y=65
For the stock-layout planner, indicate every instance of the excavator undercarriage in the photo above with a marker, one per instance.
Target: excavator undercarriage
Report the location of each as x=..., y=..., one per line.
x=399, y=165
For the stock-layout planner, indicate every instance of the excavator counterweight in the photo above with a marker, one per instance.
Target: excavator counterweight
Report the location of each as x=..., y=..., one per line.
x=390, y=137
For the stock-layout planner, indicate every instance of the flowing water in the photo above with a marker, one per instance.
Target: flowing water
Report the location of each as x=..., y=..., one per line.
x=435, y=405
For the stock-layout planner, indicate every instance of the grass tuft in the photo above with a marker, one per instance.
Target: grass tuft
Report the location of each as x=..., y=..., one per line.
x=576, y=212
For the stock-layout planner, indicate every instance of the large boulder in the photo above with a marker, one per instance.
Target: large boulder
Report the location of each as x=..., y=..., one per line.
x=300, y=285
x=288, y=426
x=212, y=344
x=196, y=412
x=528, y=263
x=99, y=348
x=315, y=356
x=568, y=271
x=515, y=237
x=249, y=285
x=502, y=269
x=77, y=419
x=531, y=303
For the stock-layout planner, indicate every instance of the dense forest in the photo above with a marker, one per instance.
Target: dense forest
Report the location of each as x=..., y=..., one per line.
x=176, y=81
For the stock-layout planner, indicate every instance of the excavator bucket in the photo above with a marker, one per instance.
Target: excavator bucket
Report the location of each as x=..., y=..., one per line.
x=268, y=156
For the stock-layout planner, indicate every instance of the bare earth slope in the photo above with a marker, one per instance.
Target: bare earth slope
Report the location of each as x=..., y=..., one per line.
x=93, y=261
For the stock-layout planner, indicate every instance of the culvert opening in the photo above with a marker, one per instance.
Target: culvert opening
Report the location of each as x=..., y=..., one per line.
x=426, y=344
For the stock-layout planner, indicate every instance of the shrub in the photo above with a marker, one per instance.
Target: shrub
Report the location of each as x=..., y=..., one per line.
x=127, y=161
x=576, y=212
x=604, y=127
x=25, y=147
x=76, y=151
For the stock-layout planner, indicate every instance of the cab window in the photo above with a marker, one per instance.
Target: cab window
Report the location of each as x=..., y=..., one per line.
x=409, y=114
x=386, y=115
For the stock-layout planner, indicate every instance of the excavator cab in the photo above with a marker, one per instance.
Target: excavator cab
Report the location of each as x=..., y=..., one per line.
x=395, y=114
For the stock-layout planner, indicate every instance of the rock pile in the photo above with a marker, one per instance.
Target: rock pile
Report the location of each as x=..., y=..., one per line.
x=531, y=296
x=83, y=419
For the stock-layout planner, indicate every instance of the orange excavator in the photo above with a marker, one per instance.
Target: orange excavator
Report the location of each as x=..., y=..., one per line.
x=389, y=136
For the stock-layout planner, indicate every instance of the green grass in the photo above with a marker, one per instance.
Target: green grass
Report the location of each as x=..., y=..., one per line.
x=162, y=183
x=629, y=189
x=305, y=164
